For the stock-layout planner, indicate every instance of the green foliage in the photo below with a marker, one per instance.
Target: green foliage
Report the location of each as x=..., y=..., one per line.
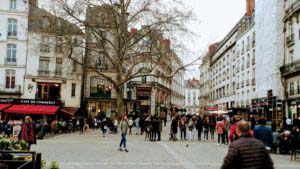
x=54, y=165
x=4, y=144
x=23, y=145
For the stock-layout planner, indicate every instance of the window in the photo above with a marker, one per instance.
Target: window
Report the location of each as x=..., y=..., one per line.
x=58, y=66
x=10, y=79
x=100, y=62
x=292, y=88
x=73, y=90
x=45, y=44
x=46, y=22
x=74, y=65
x=13, y=4
x=12, y=28
x=144, y=79
x=44, y=65
x=11, y=53
x=291, y=57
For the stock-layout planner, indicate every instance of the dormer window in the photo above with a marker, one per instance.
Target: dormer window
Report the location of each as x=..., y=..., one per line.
x=46, y=22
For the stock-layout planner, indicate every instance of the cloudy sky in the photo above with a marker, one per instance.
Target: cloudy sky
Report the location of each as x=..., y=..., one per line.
x=214, y=19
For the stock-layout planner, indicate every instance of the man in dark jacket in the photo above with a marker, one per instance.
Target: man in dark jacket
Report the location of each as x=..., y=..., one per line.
x=199, y=127
x=263, y=133
x=247, y=152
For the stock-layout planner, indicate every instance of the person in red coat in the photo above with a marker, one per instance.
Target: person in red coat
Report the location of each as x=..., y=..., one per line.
x=27, y=132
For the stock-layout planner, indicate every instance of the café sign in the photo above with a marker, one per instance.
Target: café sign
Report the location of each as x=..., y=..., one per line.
x=30, y=101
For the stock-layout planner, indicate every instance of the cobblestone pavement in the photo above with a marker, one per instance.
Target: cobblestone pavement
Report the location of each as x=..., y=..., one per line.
x=92, y=151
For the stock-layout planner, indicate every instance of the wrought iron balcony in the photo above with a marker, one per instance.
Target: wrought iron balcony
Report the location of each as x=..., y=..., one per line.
x=253, y=81
x=13, y=91
x=290, y=40
x=290, y=68
x=43, y=72
x=10, y=61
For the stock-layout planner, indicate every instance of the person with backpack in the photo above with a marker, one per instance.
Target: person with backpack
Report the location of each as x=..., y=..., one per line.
x=220, y=131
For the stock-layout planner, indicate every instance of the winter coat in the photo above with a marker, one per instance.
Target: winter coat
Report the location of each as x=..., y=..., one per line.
x=264, y=134
x=247, y=153
x=220, y=127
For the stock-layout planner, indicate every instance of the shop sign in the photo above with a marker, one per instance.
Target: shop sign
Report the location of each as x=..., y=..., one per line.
x=30, y=101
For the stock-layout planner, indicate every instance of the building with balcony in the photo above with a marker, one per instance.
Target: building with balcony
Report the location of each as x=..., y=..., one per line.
x=13, y=47
x=290, y=70
x=49, y=74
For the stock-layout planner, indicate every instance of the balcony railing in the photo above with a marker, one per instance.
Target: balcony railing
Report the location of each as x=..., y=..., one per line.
x=248, y=64
x=10, y=61
x=58, y=73
x=16, y=90
x=247, y=82
x=290, y=40
x=253, y=81
x=290, y=68
x=43, y=72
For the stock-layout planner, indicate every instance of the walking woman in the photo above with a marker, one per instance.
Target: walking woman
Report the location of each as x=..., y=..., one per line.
x=220, y=131
x=123, y=127
x=27, y=132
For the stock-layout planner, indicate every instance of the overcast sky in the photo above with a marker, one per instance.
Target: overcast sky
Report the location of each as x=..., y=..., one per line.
x=215, y=18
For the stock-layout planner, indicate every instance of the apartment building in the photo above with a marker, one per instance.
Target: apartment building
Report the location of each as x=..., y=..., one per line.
x=191, y=87
x=177, y=84
x=13, y=46
x=50, y=74
x=244, y=76
x=290, y=70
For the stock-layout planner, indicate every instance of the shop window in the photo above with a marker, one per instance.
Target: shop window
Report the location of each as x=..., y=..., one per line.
x=48, y=91
x=100, y=88
x=10, y=79
x=73, y=92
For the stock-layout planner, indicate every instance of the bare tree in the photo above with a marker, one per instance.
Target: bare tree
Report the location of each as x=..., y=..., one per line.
x=124, y=39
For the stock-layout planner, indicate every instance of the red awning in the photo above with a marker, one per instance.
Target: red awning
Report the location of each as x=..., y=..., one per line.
x=4, y=106
x=32, y=109
x=69, y=111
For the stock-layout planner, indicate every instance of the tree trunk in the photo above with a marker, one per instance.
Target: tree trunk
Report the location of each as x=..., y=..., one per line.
x=120, y=103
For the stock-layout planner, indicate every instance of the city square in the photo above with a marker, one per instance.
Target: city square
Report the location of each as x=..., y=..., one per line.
x=146, y=84
x=91, y=150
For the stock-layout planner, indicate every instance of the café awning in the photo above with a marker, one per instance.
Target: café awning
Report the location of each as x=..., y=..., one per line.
x=4, y=106
x=32, y=109
x=69, y=111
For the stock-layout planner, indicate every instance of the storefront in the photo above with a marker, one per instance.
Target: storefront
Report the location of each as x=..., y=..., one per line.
x=269, y=108
x=293, y=108
x=37, y=109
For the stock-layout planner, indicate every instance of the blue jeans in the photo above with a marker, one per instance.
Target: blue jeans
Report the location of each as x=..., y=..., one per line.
x=123, y=140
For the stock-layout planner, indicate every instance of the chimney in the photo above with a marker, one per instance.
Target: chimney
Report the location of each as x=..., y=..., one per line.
x=33, y=2
x=250, y=6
